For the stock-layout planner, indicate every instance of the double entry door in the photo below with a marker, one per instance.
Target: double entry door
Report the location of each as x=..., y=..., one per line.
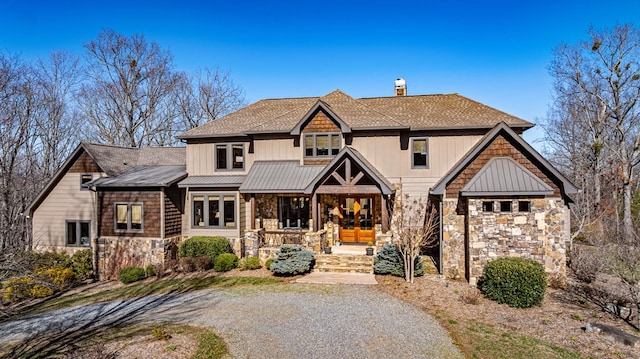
x=357, y=222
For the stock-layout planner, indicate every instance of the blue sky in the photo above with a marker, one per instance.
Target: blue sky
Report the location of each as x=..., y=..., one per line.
x=495, y=52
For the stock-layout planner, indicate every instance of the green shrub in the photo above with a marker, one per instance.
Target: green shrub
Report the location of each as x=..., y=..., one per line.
x=250, y=263
x=82, y=263
x=150, y=271
x=131, y=274
x=40, y=291
x=225, y=262
x=389, y=260
x=518, y=282
x=291, y=259
x=204, y=246
x=268, y=263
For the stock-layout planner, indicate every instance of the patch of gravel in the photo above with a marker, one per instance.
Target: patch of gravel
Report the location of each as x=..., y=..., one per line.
x=285, y=321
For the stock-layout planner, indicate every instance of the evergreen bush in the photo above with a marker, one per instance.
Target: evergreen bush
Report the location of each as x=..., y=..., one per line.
x=389, y=260
x=204, y=246
x=291, y=259
x=518, y=282
x=82, y=263
x=131, y=274
x=268, y=263
x=225, y=262
x=251, y=263
x=150, y=271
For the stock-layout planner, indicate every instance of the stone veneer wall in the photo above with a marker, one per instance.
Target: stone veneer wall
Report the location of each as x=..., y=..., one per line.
x=453, y=240
x=133, y=252
x=539, y=234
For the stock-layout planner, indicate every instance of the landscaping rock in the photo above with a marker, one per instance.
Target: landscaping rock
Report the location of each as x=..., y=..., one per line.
x=614, y=334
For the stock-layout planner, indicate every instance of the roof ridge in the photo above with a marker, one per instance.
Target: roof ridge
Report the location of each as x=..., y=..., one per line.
x=410, y=96
x=357, y=101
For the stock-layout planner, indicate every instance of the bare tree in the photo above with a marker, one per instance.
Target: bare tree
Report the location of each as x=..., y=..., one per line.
x=207, y=95
x=17, y=104
x=57, y=121
x=130, y=85
x=599, y=81
x=414, y=228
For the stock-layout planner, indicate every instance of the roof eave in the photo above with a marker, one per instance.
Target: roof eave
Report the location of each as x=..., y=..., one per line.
x=482, y=127
x=181, y=137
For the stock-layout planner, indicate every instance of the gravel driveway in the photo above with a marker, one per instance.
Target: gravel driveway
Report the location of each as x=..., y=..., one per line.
x=275, y=321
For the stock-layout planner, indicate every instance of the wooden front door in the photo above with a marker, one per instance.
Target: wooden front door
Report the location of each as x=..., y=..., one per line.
x=357, y=222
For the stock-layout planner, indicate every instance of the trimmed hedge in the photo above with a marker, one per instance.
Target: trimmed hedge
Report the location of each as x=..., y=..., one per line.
x=225, y=262
x=131, y=274
x=291, y=259
x=518, y=282
x=204, y=246
x=389, y=260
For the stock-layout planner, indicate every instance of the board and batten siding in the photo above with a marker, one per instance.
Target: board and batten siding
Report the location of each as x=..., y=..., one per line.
x=384, y=153
x=65, y=202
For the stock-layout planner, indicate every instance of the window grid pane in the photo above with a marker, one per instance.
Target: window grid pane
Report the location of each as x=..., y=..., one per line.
x=322, y=145
x=214, y=211
x=71, y=233
x=419, y=152
x=121, y=216
x=221, y=157
x=229, y=211
x=136, y=216
x=238, y=160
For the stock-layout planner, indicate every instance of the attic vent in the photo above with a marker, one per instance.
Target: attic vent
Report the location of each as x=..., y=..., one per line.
x=401, y=87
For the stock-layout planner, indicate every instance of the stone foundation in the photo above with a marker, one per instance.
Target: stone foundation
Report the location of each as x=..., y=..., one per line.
x=538, y=234
x=115, y=253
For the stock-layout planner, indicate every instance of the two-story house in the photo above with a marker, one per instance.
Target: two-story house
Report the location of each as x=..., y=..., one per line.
x=301, y=163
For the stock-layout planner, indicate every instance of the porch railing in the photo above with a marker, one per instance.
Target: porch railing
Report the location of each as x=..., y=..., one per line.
x=282, y=236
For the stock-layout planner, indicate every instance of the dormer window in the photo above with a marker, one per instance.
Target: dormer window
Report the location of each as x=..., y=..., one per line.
x=229, y=157
x=321, y=144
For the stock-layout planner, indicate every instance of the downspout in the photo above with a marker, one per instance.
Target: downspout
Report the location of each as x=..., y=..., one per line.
x=94, y=239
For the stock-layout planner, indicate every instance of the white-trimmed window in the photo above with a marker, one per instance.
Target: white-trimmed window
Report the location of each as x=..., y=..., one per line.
x=129, y=217
x=420, y=153
x=84, y=179
x=229, y=156
x=214, y=210
x=321, y=144
x=78, y=233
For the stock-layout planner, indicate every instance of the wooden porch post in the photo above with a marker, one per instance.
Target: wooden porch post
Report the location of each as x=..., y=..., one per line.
x=385, y=214
x=252, y=201
x=314, y=212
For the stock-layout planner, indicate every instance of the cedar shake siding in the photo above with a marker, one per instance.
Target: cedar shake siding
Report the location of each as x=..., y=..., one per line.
x=320, y=123
x=173, y=210
x=500, y=147
x=150, y=212
x=84, y=164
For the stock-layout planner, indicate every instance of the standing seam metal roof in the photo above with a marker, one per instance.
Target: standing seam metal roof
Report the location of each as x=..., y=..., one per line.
x=504, y=176
x=279, y=176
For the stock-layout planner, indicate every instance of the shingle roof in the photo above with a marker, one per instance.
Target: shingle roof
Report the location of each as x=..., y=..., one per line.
x=115, y=160
x=504, y=176
x=143, y=176
x=411, y=112
x=279, y=176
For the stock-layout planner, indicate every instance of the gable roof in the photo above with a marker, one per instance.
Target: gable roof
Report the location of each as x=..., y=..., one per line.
x=423, y=112
x=347, y=152
x=279, y=176
x=504, y=129
x=113, y=160
x=143, y=176
x=504, y=176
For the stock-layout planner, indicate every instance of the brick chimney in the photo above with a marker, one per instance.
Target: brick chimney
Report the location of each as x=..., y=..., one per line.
x=401, y=87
